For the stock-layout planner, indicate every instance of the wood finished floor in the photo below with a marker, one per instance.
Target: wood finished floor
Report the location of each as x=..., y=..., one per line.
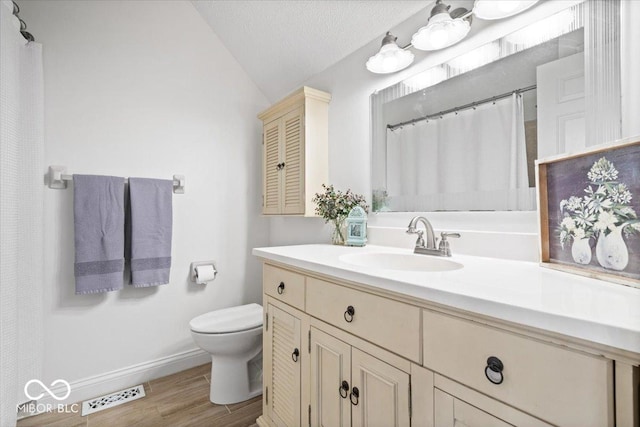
x=180, y=399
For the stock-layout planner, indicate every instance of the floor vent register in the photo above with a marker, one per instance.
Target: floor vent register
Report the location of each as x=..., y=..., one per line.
x=112, y=399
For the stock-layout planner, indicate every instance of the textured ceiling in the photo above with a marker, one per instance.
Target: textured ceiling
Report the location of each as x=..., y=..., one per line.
x=281, y=44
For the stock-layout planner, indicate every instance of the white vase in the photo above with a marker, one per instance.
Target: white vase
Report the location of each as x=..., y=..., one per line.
x=611, y=250
x=581, y=251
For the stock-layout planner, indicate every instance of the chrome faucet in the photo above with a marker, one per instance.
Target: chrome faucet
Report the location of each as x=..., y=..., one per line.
x=429, y=248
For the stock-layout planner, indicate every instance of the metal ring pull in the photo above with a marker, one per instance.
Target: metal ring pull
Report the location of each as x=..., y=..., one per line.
x=348, y=315
x=281, y=288
x=295, y=355
x=493, y=371
x=354, y=393
x=344, y=387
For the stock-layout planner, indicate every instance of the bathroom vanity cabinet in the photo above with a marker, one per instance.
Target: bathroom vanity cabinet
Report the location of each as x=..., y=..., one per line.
x=343, y=353
x=295, y=152
x=315, y=374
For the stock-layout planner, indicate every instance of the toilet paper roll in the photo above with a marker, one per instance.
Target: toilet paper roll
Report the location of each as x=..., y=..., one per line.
x=205, y=273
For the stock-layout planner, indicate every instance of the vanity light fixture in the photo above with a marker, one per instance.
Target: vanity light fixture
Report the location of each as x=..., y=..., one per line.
x=390, y=58
x=443, y=29
x=499, y=9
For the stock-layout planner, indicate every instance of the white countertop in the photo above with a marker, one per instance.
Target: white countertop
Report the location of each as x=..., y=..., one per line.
x=515, y=291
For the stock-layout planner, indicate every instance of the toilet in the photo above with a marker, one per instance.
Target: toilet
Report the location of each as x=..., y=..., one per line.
x=233, y=337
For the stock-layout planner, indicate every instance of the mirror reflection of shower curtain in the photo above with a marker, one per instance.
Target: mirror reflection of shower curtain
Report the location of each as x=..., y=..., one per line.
x=472, y=160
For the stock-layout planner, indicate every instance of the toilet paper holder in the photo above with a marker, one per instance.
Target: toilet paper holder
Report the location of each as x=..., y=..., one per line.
x=192, y=269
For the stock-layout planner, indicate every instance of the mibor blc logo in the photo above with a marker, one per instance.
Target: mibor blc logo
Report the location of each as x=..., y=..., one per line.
x=37, y=408
x=47, y=389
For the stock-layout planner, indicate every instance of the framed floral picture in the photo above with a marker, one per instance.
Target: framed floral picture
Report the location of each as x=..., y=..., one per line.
x=589, y=211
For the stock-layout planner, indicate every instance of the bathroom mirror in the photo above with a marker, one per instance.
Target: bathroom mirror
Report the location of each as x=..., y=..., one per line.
x=464, y=135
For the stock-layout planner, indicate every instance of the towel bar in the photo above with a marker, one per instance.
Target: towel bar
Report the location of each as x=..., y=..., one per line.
x=58, y=179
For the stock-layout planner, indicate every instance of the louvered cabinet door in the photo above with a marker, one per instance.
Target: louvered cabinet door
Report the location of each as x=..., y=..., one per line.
x=383, y=393
x=283, y=382
x=271, y=167
x=330, y=371
x=293, y=158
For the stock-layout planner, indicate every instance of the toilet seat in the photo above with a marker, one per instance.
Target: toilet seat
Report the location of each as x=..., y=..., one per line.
x=228, y=320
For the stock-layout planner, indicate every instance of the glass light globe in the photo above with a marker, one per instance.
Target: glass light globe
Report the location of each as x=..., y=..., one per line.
x=389, y=59
x=441, y=31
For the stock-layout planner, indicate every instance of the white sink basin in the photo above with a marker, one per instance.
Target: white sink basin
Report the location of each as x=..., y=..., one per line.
x=404, y=262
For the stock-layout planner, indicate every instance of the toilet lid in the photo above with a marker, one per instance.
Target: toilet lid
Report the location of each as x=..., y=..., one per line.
x=226, y=320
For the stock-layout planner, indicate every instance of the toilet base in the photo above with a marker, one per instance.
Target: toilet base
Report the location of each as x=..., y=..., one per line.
x=234, y=382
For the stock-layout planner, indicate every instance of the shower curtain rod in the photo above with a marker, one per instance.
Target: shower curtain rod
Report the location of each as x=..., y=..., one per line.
x=462, y=107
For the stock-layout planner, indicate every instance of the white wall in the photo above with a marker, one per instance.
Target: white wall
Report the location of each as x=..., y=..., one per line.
x=145, y=88
x=351, y=85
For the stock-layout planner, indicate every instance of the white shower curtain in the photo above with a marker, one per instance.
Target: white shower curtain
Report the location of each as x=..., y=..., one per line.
x=21, y=217
x=473, y=160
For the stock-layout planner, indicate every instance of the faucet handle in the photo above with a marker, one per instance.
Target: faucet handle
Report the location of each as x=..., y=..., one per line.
x=444, y=243
x=444, y=235
x=420, y=233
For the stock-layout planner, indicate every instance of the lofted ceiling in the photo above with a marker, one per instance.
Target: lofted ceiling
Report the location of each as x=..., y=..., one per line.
x=282, y=43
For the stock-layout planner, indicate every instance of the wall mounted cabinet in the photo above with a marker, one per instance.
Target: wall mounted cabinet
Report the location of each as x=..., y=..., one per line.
x=295, y=152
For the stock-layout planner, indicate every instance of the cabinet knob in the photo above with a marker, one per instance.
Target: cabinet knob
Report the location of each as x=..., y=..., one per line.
x=281, y=288
x=355, y=393
x=349, y=313
x=493, y=371
x=295, y=354
x=344, y=389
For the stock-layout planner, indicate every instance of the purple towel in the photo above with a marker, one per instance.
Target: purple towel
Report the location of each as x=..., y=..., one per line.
x=98, y=210
x=151, y=226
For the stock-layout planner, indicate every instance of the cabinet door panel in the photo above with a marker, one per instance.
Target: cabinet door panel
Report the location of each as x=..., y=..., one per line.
x=330, y=365
x=271, y=159
x=293, y=157
x=452, y=412
x=383, y=393
x=284, y=337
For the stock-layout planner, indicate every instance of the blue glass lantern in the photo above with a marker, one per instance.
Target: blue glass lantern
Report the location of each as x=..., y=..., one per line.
x=357, y=227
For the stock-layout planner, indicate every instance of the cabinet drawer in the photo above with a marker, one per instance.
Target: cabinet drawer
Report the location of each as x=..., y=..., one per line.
x=390, y=324
x=560, y=386
x=284, y=285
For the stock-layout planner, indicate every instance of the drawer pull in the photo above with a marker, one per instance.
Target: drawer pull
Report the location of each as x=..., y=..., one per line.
x=344, y=389
x=493, y=371
x=354, y=393
x=281, y=288
x=348, y=315
x=295, y=354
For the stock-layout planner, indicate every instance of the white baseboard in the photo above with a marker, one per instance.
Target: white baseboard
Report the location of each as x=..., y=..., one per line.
x=118, y=379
